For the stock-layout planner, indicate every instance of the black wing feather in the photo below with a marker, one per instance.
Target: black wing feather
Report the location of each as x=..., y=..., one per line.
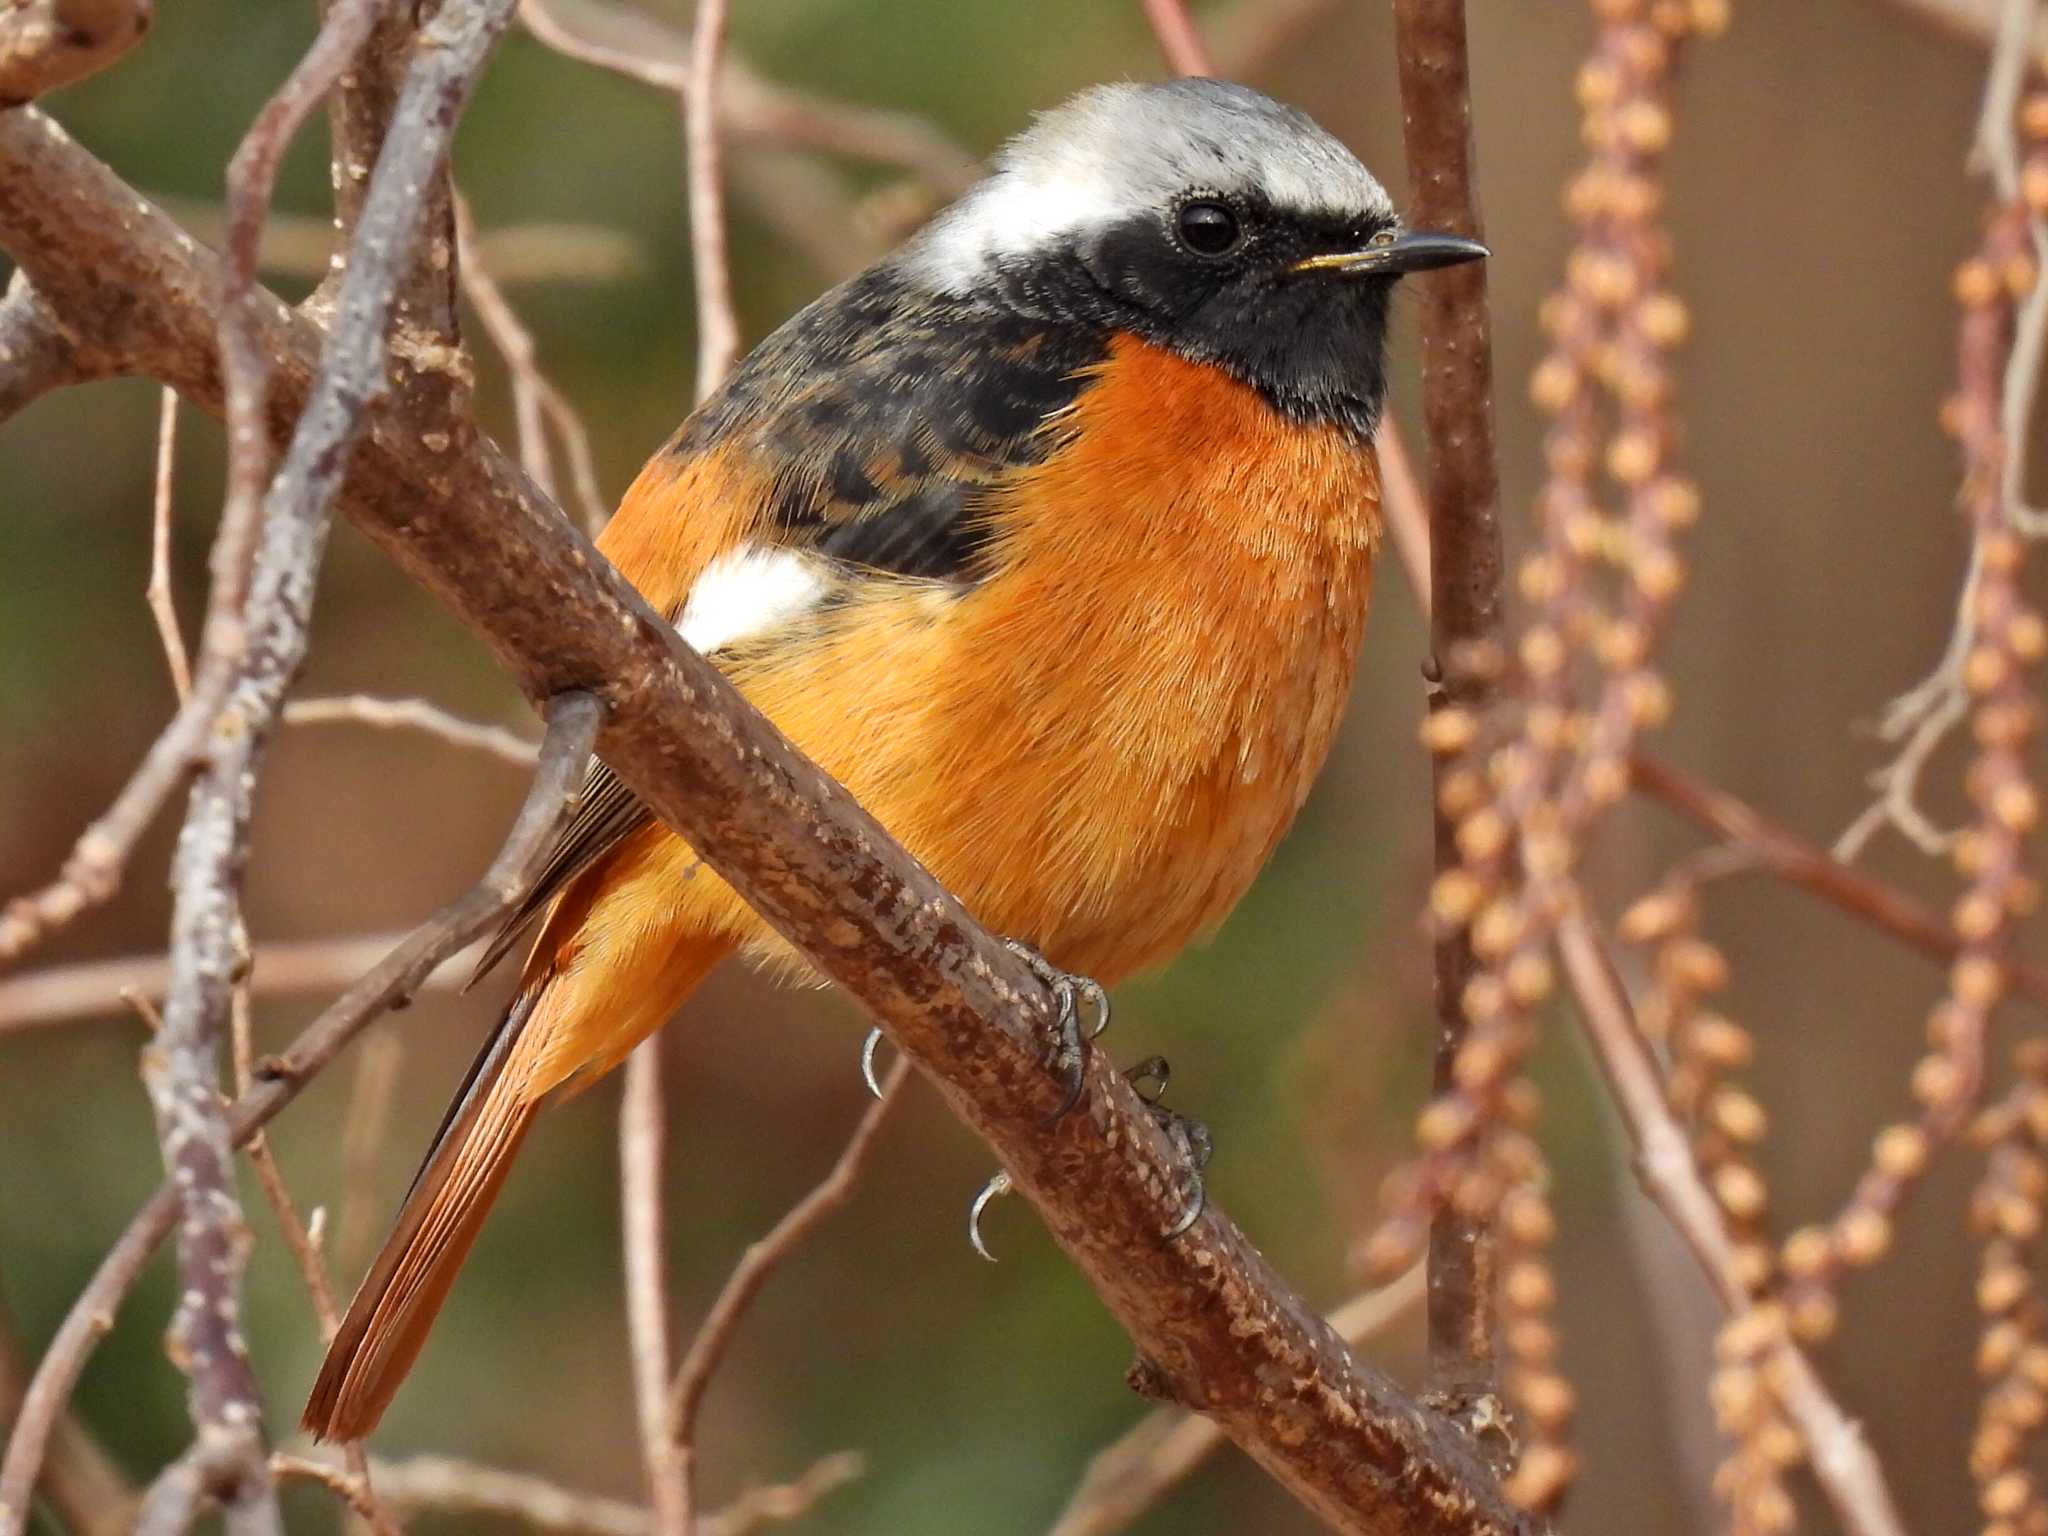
x=889, y=414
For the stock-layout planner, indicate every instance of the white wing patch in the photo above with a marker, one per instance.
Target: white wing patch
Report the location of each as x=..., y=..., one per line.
x=748, y=591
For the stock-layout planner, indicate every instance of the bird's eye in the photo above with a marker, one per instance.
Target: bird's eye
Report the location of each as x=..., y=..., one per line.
x=1208, y=228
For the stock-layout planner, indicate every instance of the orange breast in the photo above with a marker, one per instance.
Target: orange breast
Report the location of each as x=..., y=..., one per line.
x=1097, y=748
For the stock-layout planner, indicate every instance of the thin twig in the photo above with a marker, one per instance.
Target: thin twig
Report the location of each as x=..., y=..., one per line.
x=573, y=721
x=642, y=1135
x=1404, y=508
x=412, y=715
x=84, y=1485
x=163, y=604
x=718, y=326
x=1158, y=1453
x=444, y=1485
x=1179, y=42
x=1847, y=1470
x=535, y=400
x=1813, y=869
x=94, y=989
x=362, y=1136
x=764, y=1257
x=301, y=1240
x=640, y=47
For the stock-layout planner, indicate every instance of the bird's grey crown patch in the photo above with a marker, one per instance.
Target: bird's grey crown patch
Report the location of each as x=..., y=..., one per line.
x=1115, y=151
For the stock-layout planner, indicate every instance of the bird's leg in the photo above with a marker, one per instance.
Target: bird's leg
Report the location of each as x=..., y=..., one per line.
x=1190, y=1138
x=1070, y=1050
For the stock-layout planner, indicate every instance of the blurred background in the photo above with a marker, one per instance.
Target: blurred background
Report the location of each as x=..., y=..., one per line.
x=1818, y=200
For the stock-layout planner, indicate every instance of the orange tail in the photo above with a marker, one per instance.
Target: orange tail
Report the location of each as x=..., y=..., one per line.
x=577, y=1024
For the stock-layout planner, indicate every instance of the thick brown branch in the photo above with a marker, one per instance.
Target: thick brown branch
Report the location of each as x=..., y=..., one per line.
x=1465, y=591
x=1158, y=1453
x=35, y=355
x=48, y=43
x=1227, y=1334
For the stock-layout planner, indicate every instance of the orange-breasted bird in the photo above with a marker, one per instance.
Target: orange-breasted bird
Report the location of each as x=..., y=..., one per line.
x=1049, y=536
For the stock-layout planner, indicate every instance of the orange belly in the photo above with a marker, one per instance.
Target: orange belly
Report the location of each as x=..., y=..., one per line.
x=1098, y=747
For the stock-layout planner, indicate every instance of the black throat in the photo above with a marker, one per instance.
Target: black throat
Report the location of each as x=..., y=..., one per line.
x=1313, y=344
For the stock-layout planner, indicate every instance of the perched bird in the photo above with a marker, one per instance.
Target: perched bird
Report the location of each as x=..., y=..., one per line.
x=1049, y=536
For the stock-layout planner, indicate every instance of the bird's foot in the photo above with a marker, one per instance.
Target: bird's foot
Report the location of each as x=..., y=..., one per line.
x=1190, y=1138
x=1070, y=1041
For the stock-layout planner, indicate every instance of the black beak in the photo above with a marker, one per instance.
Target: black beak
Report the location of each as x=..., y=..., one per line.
x=1392, y=254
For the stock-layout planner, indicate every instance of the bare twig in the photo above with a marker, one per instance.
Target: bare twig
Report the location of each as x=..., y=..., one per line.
x=1224, y=1330
x=1404, y=508
x=1138, y=1469
x=163, y=604
x=1813, y=869
x=573, y=724
x=640, y=47
x=301, y=1240
x=245, y=367
x=1179, y=42
x=1842, y=1461
x=718, y=326
x=763, y=1257
x=412, y=715
x=95, y=989
x=442, y=1484
x=535, y=400
x=45, y=44
x=1465, y=599
x=642, y=1133
x=85, y=1487
x=362, y=1135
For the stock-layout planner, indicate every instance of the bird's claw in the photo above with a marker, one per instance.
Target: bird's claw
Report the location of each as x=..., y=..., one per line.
x=1070, y=1047
x=1191, y=1141
x=1070, y=1054
x=994, y=1189
x=867, y=1062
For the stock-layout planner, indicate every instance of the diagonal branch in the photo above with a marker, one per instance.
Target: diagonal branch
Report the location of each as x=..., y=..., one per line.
x=1843, y=1463
x=1225, y=1332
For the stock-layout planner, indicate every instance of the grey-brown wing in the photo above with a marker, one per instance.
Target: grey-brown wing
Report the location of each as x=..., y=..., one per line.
x=892, y=415
x=606, y=815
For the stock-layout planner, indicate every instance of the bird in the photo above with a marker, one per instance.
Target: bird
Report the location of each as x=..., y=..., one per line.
x=1050, y=536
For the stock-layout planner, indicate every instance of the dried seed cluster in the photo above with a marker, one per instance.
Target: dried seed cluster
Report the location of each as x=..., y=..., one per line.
x=1522, y=800
x=2008, y=638
x=2006, y=1213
